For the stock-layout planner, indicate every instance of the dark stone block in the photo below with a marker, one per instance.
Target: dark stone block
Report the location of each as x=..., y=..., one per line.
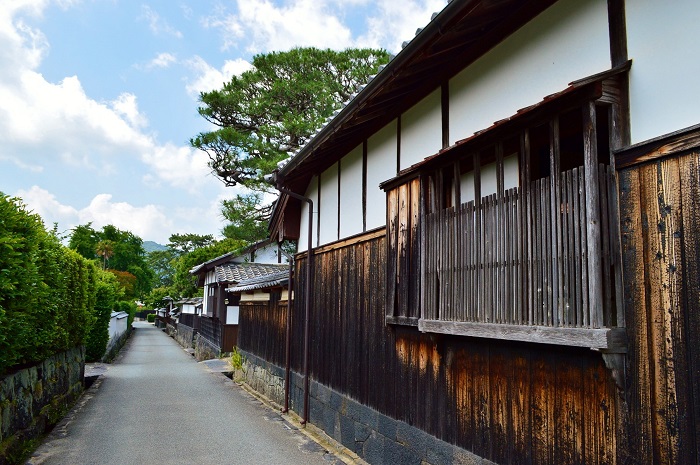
x=438, y=452
x=353, y=410
x=347, y=432
x=369, y=417
x=373, y=450
x=397, y=454
x=386, y=426
x=336, y=401
x=362, y=432
x=412, y=437
x=322, y=393
x=316, y=412
x=463, y=457
x=330, y=418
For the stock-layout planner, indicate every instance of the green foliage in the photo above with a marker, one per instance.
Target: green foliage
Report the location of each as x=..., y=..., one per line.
x=107, y=293
x=184, y=284
x=127, y=307
x=46, y=290
x=162, y=262
x=151, y=317
x=247, y=218
x=117, y=250
x=186, y=243
x=269, y=111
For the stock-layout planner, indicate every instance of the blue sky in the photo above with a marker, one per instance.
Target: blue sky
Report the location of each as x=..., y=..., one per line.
x=98, y=98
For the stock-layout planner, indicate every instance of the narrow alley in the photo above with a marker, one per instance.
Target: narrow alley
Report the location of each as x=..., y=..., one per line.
x=156, y=405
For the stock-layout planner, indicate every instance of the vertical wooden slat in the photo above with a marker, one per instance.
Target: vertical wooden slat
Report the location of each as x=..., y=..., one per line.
x=605, y=246
x=555, y=183
x=415, y=251
x=392, y=255
x=593, y=234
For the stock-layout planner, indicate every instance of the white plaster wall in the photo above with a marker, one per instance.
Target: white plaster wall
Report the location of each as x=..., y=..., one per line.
x=662, y=41
x=351, y=193
x=188, y=308
x=568, y=41
x=381, y=165
x=311, y=193
x=489, y=181
x=329, y=205
x=421, y=130
x=232, y=312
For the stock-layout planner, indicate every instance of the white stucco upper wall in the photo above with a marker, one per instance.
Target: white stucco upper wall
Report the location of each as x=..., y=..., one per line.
x=662, y=41
x=381, y=165
x=328, y=206
x=568, y=41
x=351, y=193
x=311, y=193
x=421, y=130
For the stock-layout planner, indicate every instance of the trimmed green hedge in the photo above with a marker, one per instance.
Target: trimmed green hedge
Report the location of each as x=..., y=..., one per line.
x=151, y=317
x=48, y=293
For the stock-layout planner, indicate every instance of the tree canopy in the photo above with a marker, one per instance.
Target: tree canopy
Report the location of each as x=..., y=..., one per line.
x=269, y=111
x=117, y=250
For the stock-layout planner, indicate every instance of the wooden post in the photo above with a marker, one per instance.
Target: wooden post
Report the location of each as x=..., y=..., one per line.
x=590, y=166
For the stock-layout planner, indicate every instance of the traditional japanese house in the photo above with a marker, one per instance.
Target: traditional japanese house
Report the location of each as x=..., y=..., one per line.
x=217, y=324
x=504, y=243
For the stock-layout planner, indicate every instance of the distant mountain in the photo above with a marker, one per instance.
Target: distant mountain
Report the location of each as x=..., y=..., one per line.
x=150, y=246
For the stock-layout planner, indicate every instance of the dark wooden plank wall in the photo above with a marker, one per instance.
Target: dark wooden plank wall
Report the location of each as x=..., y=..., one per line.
x=262, y=329
x=403, y=260
x=660, y=218
x=509, y=402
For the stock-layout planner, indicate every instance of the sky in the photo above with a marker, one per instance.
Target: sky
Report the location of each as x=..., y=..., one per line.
x=98, y=98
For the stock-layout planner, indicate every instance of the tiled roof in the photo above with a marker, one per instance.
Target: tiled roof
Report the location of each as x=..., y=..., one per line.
x=237, y=272
x=278, y=278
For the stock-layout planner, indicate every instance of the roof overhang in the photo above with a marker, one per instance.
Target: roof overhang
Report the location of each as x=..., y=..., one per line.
x=460, y=34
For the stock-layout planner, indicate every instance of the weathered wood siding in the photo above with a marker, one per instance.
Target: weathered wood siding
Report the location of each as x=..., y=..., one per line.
x=403, y=260
x=262, y=329
x=660, y=216
x=508, y=402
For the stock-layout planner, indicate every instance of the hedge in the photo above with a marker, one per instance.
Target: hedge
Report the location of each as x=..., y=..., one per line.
x=48, y=293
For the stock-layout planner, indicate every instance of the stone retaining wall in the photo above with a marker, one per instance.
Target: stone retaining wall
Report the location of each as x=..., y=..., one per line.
x=34, y=399
x=184, y=335
x=375, y=437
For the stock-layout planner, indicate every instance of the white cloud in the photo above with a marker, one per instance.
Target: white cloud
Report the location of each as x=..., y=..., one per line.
x=183, y=167
x=163, y=60
x=42, y=120
x=396, y=22
x=157, y=24
x=147, y=221
x=265, y=26
x=125, y=105
x=209, y=78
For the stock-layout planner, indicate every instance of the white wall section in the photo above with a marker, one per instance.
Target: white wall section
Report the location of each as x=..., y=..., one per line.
x=328, y=209
x=381, y=165
x=421, y=130
x=351, y=193
x=662, y=41
x=568, y=41
x=312, y=193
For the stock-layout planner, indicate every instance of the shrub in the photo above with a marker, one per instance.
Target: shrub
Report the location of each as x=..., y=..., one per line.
x=46, y=290
x=151, y=317
x=107, y=294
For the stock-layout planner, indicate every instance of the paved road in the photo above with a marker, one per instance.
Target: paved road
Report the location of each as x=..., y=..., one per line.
x=156, y=405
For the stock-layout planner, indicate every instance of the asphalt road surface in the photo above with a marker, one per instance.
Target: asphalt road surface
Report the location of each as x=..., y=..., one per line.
x=156, y=405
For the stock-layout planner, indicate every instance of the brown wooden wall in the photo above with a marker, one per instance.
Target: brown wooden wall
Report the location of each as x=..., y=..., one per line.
x=508, y=402
x=660, y=216
x=262, y=329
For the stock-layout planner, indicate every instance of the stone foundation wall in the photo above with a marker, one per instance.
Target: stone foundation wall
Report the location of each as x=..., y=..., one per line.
x=34, y=399
x=375, y=437
x=205, y=350
x=184, y=335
